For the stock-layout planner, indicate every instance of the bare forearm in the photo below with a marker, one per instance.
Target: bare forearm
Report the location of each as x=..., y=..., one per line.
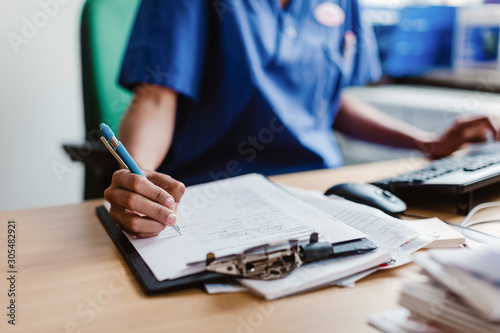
x=148, y=125
x=365, y=122
x=144, y=206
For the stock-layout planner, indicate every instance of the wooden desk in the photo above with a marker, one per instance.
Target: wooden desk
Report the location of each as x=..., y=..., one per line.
x=71, y=278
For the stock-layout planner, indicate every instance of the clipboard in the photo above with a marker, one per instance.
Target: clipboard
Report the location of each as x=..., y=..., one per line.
x=148, y=282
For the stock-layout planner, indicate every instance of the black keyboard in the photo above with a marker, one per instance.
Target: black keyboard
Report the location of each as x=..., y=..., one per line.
x=457, y=175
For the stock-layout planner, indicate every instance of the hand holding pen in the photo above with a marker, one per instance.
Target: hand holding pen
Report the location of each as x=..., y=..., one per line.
x=142, y=202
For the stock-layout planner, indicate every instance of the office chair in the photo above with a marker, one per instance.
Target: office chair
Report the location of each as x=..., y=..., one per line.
x=105, y=28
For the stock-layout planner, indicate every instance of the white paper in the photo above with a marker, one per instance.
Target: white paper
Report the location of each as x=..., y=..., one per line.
x=223, y=288
x=350, y=282
x=386, y=231
x=397, y=321
x=229, y=216
x=450, y=312
x=482, y=296
x=477, y=262
x=448, y=237
x=316, y=275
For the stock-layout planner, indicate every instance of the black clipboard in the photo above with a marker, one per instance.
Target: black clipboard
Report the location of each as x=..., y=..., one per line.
x=149, y=284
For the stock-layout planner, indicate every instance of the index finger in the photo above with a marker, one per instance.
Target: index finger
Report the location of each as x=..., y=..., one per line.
x=487, y=121
x=144, y=187
x=169, y=184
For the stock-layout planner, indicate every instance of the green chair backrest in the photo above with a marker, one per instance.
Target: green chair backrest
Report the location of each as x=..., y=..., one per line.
x=105, y=29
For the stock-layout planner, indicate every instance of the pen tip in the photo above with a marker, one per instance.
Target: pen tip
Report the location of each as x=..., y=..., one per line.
x=176, y=228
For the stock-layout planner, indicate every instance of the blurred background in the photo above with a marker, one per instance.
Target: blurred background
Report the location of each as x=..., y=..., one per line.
x=41, y=103
x=440, y=60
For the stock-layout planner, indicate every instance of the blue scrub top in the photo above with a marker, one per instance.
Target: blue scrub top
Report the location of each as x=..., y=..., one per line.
x=258, y=85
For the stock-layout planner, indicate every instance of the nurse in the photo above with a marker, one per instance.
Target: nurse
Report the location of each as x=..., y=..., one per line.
x=228, y=87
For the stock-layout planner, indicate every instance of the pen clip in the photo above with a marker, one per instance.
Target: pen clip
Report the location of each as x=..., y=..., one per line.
x=112, y=151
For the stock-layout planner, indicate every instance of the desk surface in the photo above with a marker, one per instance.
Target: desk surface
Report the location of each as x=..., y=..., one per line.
x=71, y=278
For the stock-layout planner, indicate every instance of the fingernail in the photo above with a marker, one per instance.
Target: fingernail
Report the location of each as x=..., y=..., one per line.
x=172, y=218
x=170, y=202
x=176, y=207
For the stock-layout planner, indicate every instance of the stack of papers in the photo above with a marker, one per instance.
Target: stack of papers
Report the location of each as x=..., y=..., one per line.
x=398, y=237
x=228, y=216
x=461, y=294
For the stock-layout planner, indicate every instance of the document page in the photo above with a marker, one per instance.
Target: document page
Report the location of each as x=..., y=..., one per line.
x=386, y=231
x=229, y=216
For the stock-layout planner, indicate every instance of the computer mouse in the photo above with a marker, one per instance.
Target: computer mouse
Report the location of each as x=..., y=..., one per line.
x=369, y=195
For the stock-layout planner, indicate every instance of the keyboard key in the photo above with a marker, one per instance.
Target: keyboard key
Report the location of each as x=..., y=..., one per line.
x=468, y=163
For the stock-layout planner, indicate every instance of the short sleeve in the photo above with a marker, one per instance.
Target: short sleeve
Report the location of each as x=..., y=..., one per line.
x=167, y=46
x=367, y=66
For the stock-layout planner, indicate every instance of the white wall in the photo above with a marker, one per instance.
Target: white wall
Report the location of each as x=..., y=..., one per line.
x=40, y=104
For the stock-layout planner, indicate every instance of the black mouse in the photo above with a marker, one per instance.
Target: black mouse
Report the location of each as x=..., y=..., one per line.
x=369, y=195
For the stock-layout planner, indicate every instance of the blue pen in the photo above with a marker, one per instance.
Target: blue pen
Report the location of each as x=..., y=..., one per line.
x=121, y=154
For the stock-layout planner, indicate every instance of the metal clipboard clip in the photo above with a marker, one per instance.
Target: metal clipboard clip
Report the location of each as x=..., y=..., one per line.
x=277, y=260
